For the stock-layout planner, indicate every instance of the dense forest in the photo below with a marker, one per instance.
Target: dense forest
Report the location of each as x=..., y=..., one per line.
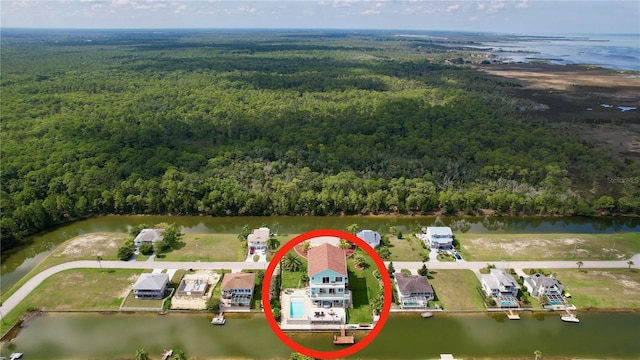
x=242, y=123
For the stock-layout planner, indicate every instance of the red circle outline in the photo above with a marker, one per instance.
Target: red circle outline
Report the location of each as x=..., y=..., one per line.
x=266, y=289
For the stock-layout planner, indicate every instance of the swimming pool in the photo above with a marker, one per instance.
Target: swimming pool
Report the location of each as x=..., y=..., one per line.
x=412, y=304
x=296, y=308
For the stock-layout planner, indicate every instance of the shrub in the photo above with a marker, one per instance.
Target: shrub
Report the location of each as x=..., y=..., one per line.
x=399, y=235
x=213, y=304
x=146, y=249
x=256, y=258
x=125, y=253
x=384, y=252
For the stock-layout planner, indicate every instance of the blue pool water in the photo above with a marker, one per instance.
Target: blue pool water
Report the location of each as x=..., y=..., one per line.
x=297, y=307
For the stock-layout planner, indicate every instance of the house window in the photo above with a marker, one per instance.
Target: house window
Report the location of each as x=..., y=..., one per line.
x=323, y=291
x=325, y=280
x=332, y=291
x=338, y=278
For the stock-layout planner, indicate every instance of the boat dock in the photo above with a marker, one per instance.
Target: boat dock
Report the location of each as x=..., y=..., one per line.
x=512, y=315
x=343, y=339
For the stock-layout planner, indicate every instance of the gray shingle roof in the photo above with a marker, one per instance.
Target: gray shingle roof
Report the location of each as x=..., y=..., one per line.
x=411, y=284
x=149, y=281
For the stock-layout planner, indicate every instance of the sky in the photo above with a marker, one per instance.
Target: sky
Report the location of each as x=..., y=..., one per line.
x=511, y=16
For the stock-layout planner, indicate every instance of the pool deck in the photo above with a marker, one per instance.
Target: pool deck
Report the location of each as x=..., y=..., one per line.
x=313, y=318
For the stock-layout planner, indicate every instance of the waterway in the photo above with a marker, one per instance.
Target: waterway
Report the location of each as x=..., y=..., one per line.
x=17, y=263
x=95, y=336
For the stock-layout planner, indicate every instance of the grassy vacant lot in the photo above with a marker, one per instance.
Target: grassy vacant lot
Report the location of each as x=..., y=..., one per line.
x=601, y=288
x=207, y=247
x=364, y=286
x=79, y=289
x=409, y=248
x=456, y=289
x=496, y=247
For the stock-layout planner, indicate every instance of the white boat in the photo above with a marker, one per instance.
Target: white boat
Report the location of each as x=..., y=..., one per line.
x=219, y=320
x=570, y=318
x=426, y=314
x=15, y=356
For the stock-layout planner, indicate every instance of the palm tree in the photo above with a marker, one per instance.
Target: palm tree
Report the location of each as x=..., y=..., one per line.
x=99, y=258
x=630, y=263
x=179, y=355
x=579, y=263
x=344, y=244
x=353, y=228
x=291, y=262
x=538, y=354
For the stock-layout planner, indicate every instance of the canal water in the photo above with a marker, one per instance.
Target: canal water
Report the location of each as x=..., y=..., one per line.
x=18, y=262
x=95, y=336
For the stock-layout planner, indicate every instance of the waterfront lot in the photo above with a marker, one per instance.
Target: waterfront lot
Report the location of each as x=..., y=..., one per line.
x=601, y=288
x=78, y=289
x=511, y=247
x=409, y=248
x=207, y=247
x=456, y=289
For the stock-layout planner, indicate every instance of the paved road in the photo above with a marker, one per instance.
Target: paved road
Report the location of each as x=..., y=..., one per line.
x=477, y=265
x=30, y=285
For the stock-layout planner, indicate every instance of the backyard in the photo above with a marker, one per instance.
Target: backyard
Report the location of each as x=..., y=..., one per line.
x=364, y=287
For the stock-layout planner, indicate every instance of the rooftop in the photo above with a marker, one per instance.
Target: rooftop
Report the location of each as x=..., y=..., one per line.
x=149, y=235
x=148, y=281
x=411, y=284
x=238, y=281
x=327, y=256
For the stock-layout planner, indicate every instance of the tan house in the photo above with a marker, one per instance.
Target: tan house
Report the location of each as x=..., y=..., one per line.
x=237, y=289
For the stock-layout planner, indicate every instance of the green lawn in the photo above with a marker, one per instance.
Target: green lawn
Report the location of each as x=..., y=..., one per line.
x=78, y=289
x=364, y=287
x=409, y=248
x=601, y=288
x=513, y=247
x=207, y=247
x=456, y=289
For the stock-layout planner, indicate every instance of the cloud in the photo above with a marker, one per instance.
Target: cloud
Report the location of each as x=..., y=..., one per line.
x=523, y=4
x=452, y=8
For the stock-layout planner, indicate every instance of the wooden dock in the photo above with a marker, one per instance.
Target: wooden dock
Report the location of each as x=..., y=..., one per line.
x=512, y=315
x=343, y=339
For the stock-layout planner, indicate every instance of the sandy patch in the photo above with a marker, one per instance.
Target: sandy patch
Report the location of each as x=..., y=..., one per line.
x=196, y=302
x=524, y=248
x=89, y=243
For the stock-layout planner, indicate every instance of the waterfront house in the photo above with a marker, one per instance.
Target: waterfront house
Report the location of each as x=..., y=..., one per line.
x=237, y=289
x=258, y=240
x=414, y=291
x=370, y=237
x=439, y=238
x=501, y=286
x=539, y=285
x=151, y=286
x=148, y=236
x=328, y=278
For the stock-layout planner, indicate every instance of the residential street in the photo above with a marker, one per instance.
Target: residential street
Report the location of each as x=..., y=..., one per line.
x=30, y=285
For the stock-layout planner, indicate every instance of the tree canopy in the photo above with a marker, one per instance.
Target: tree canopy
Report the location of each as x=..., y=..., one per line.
x=284, y=124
